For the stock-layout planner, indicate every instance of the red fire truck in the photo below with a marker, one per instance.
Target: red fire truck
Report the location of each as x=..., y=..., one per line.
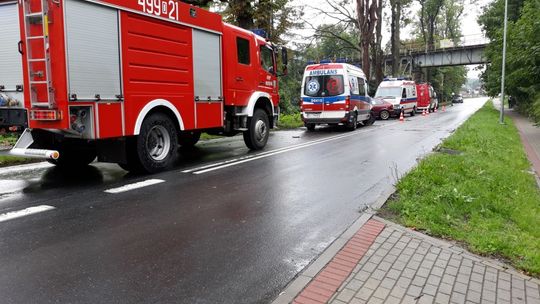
x=130, y=81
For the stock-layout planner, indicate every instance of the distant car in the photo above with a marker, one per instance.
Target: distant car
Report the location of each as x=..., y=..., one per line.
x=381, y=109
x=457, y=99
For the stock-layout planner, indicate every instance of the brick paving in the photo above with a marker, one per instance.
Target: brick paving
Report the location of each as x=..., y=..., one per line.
x=403, y=266
x=328, y=280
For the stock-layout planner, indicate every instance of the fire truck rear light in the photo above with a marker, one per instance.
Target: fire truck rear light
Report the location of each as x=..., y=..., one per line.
x=49, y=115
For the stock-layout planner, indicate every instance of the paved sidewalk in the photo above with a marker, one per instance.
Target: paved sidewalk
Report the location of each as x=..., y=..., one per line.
x=530, y=136
x=398, y=265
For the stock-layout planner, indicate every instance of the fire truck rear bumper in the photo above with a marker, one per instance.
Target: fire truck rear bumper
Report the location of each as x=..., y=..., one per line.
x=22, y=148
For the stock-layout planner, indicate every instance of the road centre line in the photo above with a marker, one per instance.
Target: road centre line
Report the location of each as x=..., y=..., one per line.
x=25, y=212
x=134, y=186
x=273, y=152
x=279, y=151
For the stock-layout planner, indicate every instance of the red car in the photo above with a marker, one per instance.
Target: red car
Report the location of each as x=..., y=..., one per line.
x=381, y=109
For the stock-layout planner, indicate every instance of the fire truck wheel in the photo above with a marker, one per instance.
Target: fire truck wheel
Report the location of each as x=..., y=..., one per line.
x=258, y=130
x=156, y=145
x=189, y=138
x=384, y=115
x=351, y=126
x=310, y=126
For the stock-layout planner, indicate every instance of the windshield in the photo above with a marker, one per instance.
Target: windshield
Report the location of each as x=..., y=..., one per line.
x=388, y=92
x=321, y=86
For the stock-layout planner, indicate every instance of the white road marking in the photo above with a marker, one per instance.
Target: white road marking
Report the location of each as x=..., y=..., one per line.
x=133, y=186
x=25, y=212
x=273, y=152
x=218, y=166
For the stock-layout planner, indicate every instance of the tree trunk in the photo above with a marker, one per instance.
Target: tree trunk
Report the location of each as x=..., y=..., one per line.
x=367, y=19
x=379, y=57
x=395, y=39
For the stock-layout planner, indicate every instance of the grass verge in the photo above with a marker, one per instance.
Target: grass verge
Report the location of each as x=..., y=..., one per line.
x=290, y=121
x=7, y=141
x=482, y=196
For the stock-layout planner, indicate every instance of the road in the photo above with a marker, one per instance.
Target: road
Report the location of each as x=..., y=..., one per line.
x=226, y=226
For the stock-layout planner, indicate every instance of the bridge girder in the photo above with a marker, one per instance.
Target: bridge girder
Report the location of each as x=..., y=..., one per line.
x=450, y=57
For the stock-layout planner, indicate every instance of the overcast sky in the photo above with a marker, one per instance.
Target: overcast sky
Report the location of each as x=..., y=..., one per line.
x=469, y=25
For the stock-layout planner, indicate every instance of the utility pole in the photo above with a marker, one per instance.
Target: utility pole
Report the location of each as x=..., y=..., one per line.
x=501, y=120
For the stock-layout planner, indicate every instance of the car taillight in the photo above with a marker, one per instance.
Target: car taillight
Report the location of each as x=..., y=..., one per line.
x=347, y=102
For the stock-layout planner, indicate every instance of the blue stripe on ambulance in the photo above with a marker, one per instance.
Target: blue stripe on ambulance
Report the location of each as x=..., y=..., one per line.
x=408, y=100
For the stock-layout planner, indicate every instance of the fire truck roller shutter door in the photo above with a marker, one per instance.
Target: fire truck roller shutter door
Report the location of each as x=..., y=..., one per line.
x=93, y=50
x=207, y=65
x=151, y=105
x=11, y=73
x=207, y=73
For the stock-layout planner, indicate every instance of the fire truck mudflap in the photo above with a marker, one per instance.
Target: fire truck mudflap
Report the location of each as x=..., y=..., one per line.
x=132, y=81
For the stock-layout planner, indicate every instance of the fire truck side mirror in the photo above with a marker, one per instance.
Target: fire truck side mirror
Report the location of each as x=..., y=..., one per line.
x=285, y=61
x=284, y=56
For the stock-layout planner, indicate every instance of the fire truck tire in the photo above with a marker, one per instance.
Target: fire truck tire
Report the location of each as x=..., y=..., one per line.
x=351, y=126
x=310, y=126
x=156, y=146
x=189, y=138
x=258, y=131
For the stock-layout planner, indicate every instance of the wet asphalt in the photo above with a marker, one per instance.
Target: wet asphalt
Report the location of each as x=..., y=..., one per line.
x=236, y=234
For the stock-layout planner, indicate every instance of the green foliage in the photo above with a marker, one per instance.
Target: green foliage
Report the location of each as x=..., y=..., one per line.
x=277, y=17
x=523, y=53
x=448, y=80
x=290, y=121
x=484, y=197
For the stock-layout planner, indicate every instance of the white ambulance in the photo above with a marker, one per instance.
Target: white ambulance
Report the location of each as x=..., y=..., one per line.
x=399, y=92
x=335, y=94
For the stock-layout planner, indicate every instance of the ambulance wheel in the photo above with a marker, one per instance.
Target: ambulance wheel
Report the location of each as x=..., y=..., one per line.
x=385, y=115
x=351, y=126
x=258, y=131
x=413, y=111
x=155, y=148
x=189, y=138
x=369, y=121
x=310, y=126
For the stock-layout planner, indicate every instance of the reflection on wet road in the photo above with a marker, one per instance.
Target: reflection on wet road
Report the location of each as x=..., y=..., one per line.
x=237, y=233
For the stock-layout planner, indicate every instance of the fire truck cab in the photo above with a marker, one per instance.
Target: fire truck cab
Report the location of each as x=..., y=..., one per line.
x=130, y=82
x=335, y=93
x=399, y=92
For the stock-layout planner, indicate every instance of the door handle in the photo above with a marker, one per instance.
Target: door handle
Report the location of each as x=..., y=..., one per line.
x=20, y=44
x=239, y=79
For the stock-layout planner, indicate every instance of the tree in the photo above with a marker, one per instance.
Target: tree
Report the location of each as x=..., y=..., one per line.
x=396, y=8
x=276, y=17
x=367, y=20
x=429, y=11
x=376, y=47
x=523, y=53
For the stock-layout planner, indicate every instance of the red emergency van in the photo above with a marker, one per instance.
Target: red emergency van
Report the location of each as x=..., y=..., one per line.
x=427, y=98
